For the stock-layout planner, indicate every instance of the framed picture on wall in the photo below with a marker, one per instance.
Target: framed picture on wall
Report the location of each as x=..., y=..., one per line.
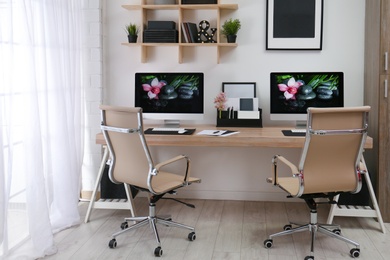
x=294, y=24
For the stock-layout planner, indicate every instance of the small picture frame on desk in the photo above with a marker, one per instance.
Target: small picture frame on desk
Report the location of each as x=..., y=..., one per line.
x=239, y=89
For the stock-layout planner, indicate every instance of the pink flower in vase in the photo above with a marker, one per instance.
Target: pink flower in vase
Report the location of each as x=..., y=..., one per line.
x=219, y=102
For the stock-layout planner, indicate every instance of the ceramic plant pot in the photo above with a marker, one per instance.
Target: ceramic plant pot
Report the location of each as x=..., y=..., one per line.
x=231, y=38
x=132, y=38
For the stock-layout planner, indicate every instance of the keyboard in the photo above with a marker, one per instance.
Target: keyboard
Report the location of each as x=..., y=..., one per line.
x=169, y=131
x=299, y=130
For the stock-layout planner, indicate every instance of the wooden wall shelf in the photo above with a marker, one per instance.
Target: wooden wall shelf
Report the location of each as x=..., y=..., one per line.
x=181, y=8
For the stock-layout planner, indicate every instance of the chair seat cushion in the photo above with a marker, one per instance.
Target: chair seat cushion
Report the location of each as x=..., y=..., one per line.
x=289, y=184
x=166, y=181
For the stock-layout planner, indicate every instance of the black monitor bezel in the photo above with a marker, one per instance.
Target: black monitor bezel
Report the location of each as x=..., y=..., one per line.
x=138, y=99
x=276, y=108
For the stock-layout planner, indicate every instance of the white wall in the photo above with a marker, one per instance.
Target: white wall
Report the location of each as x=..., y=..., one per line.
x=93, y=83
x=236, y=173
x=343, y=42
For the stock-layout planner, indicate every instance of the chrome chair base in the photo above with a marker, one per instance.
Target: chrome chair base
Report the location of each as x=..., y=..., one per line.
x=313, y=227
x=152, y=220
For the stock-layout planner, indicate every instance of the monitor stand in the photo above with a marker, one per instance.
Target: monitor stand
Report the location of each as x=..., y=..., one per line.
x=300, y=124
x=170, y=123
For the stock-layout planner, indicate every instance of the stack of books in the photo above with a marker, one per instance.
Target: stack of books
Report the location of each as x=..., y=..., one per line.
x=160, y=36
x=190, y=32
x=161, y=31
x=190, y=2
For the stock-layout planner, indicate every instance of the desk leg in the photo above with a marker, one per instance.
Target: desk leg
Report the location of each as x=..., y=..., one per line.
x=97, y=183
x=374, y=202
x=359, y=211
x=109, y=203
x=130, y=198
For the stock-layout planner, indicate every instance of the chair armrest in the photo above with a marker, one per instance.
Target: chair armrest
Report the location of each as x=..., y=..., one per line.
x=175, y=159
x=172, y=160
x=275, y=159
x=362, y=167
x=294, y=169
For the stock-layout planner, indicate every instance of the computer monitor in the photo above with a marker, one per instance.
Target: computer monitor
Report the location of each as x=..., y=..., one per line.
x=293, y=92
x=170, y=96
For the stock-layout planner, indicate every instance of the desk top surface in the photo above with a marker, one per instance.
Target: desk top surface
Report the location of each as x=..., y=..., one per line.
x=247, y=137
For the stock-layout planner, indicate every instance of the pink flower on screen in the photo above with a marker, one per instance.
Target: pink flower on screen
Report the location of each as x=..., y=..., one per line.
x=154, y=88
x=290, y=89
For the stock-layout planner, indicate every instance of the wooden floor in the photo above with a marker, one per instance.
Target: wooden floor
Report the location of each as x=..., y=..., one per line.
x=224, y=229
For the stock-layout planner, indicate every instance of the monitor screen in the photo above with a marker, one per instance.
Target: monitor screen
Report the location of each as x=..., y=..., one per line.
x=293, y=92
x=170, y=95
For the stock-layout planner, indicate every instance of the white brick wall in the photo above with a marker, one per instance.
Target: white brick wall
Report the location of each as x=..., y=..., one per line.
x=93, y=74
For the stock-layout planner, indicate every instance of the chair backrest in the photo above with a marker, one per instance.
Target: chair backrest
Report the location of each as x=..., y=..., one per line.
x=131, y=161
x=333, y=148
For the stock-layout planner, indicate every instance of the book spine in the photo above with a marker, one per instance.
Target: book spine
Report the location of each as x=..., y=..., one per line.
x=185, y=32
x=193, y=29
x=188, y=32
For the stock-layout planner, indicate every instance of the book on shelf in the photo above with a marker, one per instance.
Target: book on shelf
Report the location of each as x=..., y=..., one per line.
x=193, y=30
x=190, y=32
x=185, y=33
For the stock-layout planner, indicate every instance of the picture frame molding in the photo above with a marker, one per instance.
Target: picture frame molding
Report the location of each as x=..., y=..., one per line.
x=294, y=43
x=239, y=89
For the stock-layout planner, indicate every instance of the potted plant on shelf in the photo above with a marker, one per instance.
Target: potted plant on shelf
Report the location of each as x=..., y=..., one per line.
x=230, y=28
x=132, y=32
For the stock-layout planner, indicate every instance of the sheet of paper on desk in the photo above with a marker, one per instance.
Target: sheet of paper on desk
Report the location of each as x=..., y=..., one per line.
x=217, y=132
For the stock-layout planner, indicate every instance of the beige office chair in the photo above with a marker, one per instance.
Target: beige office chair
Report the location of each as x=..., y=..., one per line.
x=132, y=163
x=329, y=165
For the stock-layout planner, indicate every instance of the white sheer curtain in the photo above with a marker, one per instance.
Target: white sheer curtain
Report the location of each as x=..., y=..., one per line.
x=40, y=123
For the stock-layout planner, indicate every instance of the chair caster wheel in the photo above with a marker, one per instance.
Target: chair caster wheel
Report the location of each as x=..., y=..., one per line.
x=355, y=252
x=309, y=257
x=124, y=225
x=287, y=227
x=158, y=251
x=191, y=236
x=112, y=243
x=337, y=231
x=268, y=243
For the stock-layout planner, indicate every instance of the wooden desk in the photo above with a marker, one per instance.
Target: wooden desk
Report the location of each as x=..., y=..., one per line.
x=247, y=137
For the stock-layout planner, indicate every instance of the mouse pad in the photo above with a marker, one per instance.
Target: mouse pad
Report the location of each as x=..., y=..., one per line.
x=290, y=133
x=150, y=131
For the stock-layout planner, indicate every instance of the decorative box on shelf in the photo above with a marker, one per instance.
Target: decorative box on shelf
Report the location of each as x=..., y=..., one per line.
x=164, y=2
x=161, y=31
x=202, y=2
x=225, y=121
